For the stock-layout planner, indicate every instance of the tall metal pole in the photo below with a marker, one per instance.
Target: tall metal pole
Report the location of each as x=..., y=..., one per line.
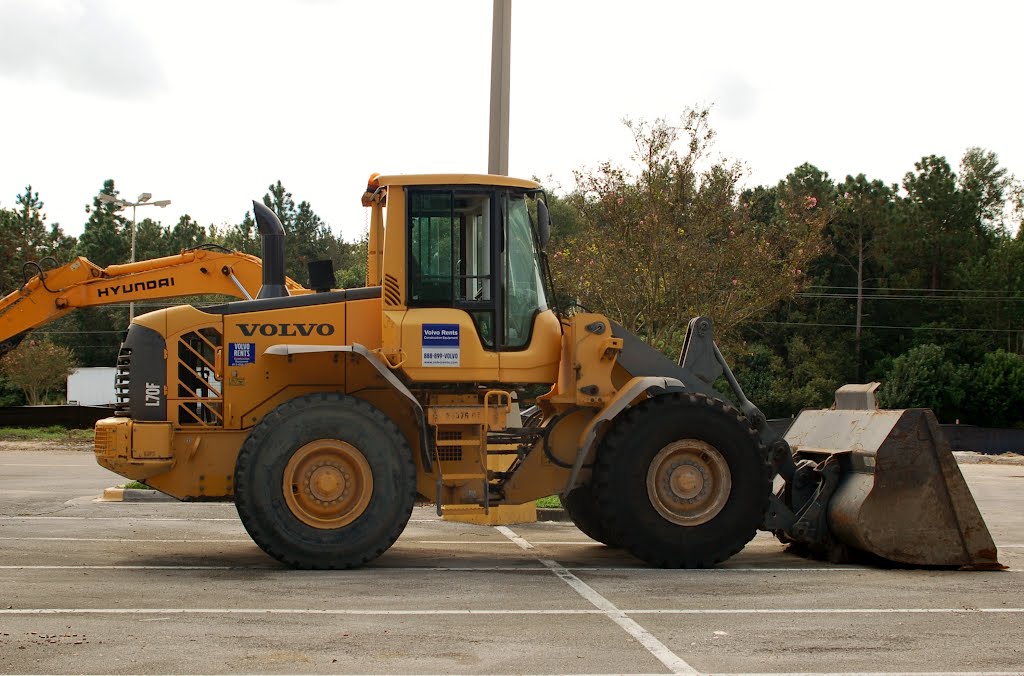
x=131, y=304
x=501, y=41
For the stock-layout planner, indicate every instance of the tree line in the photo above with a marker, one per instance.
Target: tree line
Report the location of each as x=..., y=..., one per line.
x=813, y=281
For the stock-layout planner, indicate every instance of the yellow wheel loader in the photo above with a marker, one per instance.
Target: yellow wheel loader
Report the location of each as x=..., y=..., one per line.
x=324, y=416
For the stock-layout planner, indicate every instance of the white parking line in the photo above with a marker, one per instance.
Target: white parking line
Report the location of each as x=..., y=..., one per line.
x=290, y=611
x=601, y=607
x=125, y=519
x=179, y=541
x=455, y=542
x=822, y=611
x=29, y=464
x=510, y=534
x=288, y=571
x=645, y=638
x=772, y=673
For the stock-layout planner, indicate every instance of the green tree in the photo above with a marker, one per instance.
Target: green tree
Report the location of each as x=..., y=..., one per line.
x=307, y=237
x=926, y=377
x=37, y=367
x=669, y=238
x=993, y=300
x=351, y=259
x=242, y=236
x=864, y=209
x=24, y=238
x=106, y=238
x=997, y=391
x=988, y=189
x=186, y=234
x=150, y=240
x=940, y=228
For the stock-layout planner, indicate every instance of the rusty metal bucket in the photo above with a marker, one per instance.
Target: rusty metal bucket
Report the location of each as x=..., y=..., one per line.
x=900, y=494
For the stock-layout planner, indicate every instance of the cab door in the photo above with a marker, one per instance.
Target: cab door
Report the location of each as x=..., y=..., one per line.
x=450, y=331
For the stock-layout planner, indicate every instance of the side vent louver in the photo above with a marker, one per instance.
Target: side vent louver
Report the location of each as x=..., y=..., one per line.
x=392, y=294
x=199, y=391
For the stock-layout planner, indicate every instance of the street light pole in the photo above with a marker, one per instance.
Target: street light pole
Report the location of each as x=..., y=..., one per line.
x=501, y=56
x=142, y=201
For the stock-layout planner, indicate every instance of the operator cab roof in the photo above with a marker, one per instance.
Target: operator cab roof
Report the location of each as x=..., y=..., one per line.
x=457, y=179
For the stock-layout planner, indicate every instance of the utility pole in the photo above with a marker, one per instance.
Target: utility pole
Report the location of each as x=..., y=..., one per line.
x=501, y=40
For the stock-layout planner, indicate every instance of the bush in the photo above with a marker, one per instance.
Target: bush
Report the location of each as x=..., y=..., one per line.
x=995, y=395
x=926, y=377
x=37, y=367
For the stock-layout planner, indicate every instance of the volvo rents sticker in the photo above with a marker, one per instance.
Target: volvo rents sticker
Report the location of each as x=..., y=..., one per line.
x=440, y=344
x=240, y=354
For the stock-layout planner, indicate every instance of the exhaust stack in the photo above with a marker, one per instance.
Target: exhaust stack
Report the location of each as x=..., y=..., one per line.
x=272, y=236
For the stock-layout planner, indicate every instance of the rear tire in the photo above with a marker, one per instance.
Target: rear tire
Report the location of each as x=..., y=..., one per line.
x=581, y=506
x=682, y=481
x=325, y=481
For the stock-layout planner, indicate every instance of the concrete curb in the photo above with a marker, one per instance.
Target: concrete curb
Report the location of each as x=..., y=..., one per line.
x=552, y=514
x=972, y=458
x=133, y=495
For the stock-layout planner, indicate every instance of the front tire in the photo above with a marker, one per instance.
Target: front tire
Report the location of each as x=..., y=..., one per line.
x=325, y=481
x=581, y=506
x=682, y=481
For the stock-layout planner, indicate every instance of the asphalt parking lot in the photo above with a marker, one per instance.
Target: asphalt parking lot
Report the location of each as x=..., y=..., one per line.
x=162, y=588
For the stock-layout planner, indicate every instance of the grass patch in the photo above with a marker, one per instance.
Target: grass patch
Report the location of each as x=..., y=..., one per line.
x=51, y=433
x=137, y=484
x=551, y=502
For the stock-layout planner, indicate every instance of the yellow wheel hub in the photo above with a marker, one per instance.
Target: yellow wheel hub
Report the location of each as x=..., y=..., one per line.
x=689, y=482
x=327, y=483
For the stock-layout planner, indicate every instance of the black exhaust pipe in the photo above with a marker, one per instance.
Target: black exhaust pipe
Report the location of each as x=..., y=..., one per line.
x=272, y=236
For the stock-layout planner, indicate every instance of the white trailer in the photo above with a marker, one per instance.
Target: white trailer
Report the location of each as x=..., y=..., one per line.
x=92, y=386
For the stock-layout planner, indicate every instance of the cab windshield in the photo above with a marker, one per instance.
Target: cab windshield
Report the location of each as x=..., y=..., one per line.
x=524, y=288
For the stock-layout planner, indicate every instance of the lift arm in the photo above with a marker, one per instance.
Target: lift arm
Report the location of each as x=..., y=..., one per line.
x=51, y=294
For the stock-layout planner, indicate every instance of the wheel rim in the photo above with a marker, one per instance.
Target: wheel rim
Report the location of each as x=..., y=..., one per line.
x=327, y=483
x=689, y=482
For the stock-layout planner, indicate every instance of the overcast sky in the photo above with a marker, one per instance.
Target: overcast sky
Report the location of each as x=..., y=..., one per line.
x=206, y=103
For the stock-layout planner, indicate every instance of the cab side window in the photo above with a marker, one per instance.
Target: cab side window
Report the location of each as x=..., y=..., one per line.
x=450, y=254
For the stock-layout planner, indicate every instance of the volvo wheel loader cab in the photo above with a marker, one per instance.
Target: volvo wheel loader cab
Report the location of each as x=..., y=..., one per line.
x=323, y=416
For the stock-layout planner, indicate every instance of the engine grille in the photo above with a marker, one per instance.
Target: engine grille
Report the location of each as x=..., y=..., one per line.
x=122, y=379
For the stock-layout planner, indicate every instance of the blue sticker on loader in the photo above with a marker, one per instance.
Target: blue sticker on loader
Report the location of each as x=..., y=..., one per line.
x=440, y=344
x=240, y=354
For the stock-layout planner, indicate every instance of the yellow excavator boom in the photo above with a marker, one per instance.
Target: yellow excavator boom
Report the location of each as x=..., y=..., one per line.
x=206, y=270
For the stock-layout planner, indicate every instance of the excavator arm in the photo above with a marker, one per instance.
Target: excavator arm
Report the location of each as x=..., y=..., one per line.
x=51, y=294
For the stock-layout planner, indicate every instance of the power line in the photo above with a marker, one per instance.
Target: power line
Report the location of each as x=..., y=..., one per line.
x=898, y=328
x=897, y=288
x=879, y=296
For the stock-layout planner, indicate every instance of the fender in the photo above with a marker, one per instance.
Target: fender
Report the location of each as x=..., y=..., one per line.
x=623, y=398
x=355, y=348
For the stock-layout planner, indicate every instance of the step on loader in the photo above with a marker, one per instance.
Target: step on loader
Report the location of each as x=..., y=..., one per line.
x=324, y=416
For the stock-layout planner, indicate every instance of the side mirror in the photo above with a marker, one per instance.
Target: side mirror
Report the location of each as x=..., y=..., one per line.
x=543, y=224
